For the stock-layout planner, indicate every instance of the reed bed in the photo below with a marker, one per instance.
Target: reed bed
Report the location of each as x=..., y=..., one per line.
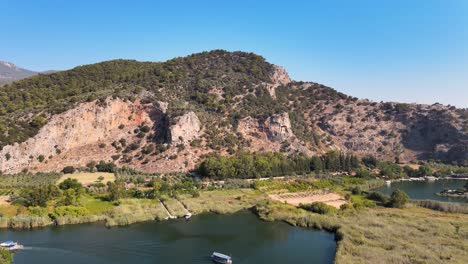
x=447, y=207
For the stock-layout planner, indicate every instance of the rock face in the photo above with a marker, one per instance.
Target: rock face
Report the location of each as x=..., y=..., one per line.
x=71, y=138
x=185, y=128
x=278, y=127
x=280, y=77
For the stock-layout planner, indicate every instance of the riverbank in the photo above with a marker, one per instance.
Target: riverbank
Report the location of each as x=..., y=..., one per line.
x=384, y=235
x=131, y=210
x=364, y=232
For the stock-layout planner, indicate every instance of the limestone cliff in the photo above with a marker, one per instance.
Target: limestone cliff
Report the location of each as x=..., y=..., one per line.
x=184, y=128
x=73, y=137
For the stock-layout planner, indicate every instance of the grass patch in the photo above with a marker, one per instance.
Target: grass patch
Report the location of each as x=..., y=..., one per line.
x=385, y=235
x=8, y=210
x=87, y=178
x=461, y=208
x=135, y=210
x=222, y=201
x=174, y=207
x=96, y=206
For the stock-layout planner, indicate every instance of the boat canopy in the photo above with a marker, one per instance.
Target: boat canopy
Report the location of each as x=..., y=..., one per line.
x=222, y=256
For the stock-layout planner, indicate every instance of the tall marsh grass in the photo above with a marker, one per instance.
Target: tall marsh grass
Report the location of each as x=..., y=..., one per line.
x=447, y=207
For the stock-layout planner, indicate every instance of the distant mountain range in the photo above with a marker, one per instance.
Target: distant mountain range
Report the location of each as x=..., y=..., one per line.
x=9, y=73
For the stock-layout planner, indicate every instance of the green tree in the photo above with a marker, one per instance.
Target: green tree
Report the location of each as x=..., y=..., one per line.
x=398, y=199
x=68, y=170
x=425, y=170
x=70, y=183
x=116, y=191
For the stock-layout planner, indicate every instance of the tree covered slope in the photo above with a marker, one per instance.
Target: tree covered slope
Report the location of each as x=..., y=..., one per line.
x=216, y=101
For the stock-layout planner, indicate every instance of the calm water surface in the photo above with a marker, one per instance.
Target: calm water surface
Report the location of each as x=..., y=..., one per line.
x=241, y=235
x=426, y=189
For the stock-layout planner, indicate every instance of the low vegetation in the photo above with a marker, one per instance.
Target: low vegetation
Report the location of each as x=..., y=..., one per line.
x=384, y=235
x=447, y=207
x=369, y=226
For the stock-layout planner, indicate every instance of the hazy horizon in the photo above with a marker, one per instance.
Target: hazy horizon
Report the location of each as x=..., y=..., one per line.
x=395, y=51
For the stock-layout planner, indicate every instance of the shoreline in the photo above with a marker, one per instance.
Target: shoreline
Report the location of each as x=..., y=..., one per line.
x=347, y=226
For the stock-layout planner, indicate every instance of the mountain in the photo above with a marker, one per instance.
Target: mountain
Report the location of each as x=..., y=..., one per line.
x=167, y=116
x=10, y=73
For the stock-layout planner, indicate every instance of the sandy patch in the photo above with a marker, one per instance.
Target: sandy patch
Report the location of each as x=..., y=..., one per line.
x=87, y=178
x=295, y=199
x=4, y=200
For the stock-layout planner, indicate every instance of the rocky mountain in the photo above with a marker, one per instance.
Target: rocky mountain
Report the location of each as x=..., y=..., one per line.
x=166, y=116
x=9, y=73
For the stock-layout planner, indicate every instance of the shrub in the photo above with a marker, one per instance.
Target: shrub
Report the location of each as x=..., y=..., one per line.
x=360, y=202
x=69, y=210
x=319, y=207
x=5, y=256
x=68, y=170
x=37, y=211
x=70, y=184
x=105, y=166
x=378, y=197
x=398, y=199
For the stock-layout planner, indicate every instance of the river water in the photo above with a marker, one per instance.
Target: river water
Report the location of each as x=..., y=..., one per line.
x=422, y=190
x=241, y=235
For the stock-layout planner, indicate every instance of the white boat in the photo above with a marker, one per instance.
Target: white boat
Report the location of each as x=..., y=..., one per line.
x=221, y=258
x=187, y=216
x=10, y=245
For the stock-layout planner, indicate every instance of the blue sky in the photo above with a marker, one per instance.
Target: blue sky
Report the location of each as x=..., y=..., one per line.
x=391, y=50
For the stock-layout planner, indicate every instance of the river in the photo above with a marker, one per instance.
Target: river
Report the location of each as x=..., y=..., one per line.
x=241, y=235
x=422, y=190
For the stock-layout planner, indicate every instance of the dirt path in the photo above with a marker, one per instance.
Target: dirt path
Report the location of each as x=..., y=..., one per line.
x=295, y=199
x=167, y=211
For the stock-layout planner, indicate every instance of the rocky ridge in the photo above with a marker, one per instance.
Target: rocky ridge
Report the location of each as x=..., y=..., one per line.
x=170, y=128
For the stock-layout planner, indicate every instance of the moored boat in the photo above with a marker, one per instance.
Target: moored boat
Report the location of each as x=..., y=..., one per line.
x=221, y=258
x=187, y=216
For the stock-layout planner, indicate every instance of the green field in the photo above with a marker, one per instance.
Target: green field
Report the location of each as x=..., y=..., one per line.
x=87, y=178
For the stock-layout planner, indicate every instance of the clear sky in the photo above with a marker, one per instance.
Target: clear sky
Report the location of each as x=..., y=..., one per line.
x=391, y=50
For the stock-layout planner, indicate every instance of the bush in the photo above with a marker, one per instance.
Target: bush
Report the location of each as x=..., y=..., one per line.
x=68, y=170
x=378, y=197
x=70, y=184
x=398, y=199
x=5, y=256
x=360, y=202
x=105, y=167
x=37, y=211
x=319, y=208
x=73, y=211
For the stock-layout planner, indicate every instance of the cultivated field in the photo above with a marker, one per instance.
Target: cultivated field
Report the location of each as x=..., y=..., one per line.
x=87, y=178
x=295, y=199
